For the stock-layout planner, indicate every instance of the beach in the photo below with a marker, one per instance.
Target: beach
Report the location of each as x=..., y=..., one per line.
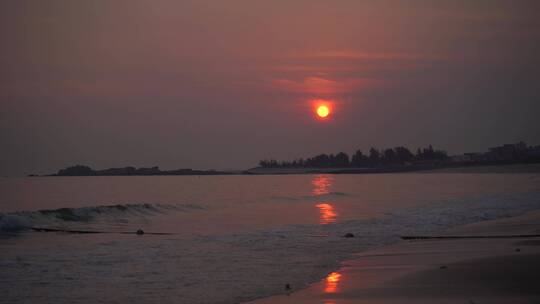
x=500, y=269
x=228, y=152
x=235, y=239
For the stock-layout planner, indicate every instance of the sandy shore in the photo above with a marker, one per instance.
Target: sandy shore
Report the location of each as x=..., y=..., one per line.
x=488, y=270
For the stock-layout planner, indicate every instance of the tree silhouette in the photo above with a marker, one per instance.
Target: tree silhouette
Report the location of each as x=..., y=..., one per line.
x=403, y=155
x=396, y=156
x=374, y=156
x=359, y=159
x=341, y=160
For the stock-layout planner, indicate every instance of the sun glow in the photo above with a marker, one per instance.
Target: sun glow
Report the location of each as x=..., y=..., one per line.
x=323, y=111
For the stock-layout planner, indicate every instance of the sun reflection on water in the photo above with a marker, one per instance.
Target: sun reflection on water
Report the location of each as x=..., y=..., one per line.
x=327, y=213
x=321, y=186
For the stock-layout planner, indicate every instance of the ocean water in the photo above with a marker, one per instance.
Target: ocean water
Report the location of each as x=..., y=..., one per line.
x=222, y=239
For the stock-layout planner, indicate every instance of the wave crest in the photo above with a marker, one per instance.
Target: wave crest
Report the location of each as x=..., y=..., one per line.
x=23, y=220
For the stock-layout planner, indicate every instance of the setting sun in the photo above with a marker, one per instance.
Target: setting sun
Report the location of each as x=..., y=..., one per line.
x=323, y=111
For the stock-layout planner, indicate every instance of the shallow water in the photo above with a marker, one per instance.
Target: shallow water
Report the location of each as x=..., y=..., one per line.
x=229, y=238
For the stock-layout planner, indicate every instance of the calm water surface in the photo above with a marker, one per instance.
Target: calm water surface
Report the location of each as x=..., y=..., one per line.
x=229, y=238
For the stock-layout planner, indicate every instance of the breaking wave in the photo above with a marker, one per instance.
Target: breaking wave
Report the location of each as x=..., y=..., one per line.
x=242, y=266
x=24, y=220
x=306, y=253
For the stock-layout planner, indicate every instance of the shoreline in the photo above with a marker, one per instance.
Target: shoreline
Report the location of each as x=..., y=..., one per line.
x=503, y=168
x=488, y=168
x=438, y=270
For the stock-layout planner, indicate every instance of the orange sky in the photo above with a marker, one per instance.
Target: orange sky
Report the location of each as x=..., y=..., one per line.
x=115, y=83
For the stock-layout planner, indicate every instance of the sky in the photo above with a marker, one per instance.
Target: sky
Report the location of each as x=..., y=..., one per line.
x=223, y=84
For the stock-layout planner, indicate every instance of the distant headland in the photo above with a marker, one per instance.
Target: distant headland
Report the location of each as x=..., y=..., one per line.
x=81, y=170
x=398, y=159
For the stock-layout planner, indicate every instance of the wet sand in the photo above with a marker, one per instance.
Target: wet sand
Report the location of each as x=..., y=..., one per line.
x=492, y=270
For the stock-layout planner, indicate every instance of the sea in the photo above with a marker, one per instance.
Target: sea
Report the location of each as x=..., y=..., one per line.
x=223, y=239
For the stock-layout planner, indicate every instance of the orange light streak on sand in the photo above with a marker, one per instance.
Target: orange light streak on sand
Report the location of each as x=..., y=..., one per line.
x=332, y=282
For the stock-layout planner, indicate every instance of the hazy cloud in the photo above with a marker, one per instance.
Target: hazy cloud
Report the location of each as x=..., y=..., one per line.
x=168, y=83
x=322, y=86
